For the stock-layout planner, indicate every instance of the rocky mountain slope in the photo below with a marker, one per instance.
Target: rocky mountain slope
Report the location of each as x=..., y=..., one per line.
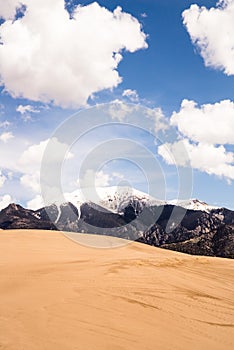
x=201, y=232
x=17, y=217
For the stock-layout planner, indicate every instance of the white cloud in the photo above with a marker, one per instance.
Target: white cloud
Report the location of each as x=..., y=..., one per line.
x=102, y=179
x=31, y=181
x=131, y=94
x=31, y=159
x=99, y=179
x=46, y=56
x=210, y=123
x=152, y=119
x=10, y=175
x=2, y=179
x=212, y=31
x=119, y=110
x=24, y=161
x=175, y=153
x=204, y=133
x=5, y=201
x=35, y=203
x=11, y=152
x=204, y=157
x=117, y=176
x=26, y=109
x=6, y=136
x=5, y=124
x=160, y=122
x=8, y=8
x=92, y=178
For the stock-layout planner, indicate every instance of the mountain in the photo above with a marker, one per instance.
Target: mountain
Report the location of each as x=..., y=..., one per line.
x=116, y=199
x=135, y=216
x=64, y=216
x=16, y=217
x=218, y=242
x=113, y=198
x=199, y=233
x=193, y=204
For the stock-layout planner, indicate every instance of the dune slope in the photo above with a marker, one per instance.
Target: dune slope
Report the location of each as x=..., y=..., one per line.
x=56, y=294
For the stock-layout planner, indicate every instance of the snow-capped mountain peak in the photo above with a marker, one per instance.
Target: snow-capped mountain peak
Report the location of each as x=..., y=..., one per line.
x=117, y=198
x=192, y=204
x=114, y=198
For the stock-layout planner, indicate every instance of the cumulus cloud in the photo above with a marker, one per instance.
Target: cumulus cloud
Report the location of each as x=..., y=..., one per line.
x=97, y=179
x=8, y=8
x=119, y=110
x=102, y=179
x=49, y=57
x=6, y=136
x=5, y=124
x=157, y=115
x=214, y=160
x=210, y=123
x=31, y=159
x=30, y=162
x=124, y=112
x=204, y=133
x=212, y=31
x=2, y=179
x=31, y=181
x=35, y=203
x=117, y=176
x=5, y=201
x=26, y=109
x=131, y=94
x=175, y=153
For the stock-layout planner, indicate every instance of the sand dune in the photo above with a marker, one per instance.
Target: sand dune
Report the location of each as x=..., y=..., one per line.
x=56, y=294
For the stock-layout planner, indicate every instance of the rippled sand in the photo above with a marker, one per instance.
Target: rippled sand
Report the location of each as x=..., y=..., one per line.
x=57, y=294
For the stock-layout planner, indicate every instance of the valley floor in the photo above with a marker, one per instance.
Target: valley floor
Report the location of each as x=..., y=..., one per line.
x=57, y=294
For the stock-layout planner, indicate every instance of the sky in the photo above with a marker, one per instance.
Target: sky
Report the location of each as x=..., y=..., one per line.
x=137, y=93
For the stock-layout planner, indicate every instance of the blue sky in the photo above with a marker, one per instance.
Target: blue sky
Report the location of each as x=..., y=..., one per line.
x=52, y=66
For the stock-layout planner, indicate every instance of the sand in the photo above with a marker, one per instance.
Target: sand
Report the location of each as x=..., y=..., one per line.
x=57, y=294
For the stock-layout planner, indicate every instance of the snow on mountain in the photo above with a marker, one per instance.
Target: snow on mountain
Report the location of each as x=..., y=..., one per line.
x=193, y=204
x=113, y=198
x=117, y=198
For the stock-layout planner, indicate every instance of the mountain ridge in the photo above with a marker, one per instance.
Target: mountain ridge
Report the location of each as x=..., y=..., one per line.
x=199, y=232
x=116, y=198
